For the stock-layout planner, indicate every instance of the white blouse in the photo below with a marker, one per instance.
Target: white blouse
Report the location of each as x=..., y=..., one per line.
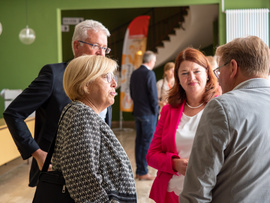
x=184, y=139
x=163, y=88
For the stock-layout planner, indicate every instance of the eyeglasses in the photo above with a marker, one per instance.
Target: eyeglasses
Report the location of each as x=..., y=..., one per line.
x=217, y=72
x=110, y=76
x=96, y=47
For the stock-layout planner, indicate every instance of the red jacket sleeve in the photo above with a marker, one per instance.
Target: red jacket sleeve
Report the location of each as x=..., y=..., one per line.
x=162, y=148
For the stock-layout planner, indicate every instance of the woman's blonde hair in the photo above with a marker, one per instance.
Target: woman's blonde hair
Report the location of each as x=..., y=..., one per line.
x=168, y=66
x=83, y=70
x=212, y=61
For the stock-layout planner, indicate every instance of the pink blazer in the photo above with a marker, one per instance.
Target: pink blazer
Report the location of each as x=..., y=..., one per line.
x=162, y=149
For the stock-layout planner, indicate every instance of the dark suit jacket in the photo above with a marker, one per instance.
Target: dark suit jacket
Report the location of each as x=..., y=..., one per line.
x=47, y=97
x=143, y=91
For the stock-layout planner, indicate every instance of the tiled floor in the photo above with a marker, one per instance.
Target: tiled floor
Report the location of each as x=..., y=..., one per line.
x=14, y=175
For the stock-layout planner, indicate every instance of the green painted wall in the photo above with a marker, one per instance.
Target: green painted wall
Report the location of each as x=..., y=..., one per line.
x=20, y=64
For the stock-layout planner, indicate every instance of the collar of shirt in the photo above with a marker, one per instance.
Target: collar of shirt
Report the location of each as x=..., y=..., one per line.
x=237, y=86
x=147, y=67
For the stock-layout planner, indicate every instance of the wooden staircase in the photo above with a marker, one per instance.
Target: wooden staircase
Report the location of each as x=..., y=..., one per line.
x=169, y=33
x=197, y=33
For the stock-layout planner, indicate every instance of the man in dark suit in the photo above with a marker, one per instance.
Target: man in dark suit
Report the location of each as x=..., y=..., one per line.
x=46, y=96
x=143, y=91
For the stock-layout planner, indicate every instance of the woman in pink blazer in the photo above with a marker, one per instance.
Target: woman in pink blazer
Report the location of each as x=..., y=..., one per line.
x=195, y=85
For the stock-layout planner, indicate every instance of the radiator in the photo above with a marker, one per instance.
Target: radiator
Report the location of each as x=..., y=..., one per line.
x=245, y=22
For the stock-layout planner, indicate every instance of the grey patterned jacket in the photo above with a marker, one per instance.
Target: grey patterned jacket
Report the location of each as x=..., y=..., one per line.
x=94, y=164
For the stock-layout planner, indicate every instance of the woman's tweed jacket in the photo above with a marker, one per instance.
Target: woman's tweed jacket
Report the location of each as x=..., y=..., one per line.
x=93, y=162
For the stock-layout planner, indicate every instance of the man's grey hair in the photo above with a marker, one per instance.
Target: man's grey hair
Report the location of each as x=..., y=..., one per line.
x=148, y=56
x=81, y=29
x=251, y=54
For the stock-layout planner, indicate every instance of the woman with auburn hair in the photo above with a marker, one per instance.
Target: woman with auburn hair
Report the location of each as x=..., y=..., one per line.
x=195, y=85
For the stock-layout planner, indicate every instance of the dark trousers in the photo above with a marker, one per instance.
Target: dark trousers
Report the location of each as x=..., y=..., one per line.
x=145, y=128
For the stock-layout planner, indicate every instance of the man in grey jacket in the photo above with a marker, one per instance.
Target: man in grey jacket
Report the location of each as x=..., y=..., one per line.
x=230, y=159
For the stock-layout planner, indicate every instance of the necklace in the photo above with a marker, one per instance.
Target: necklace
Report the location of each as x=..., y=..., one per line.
x=195, y=107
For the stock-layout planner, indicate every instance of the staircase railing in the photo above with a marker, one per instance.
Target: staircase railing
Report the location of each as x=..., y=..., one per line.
x=159, y=30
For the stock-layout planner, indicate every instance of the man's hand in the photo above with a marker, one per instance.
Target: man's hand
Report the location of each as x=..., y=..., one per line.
x=40, y=157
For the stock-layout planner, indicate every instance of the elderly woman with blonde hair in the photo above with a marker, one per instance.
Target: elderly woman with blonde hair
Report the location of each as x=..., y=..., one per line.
x=93, y=162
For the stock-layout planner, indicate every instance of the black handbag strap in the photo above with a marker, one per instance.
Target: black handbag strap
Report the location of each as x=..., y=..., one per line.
x=51, y=150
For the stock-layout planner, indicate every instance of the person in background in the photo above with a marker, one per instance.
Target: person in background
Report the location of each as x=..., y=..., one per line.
x=95, y=166
x=143, y=92
x=229, y=161
x=195, y=85
x=213, y=62
x=46, y=96
x=165, y=84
